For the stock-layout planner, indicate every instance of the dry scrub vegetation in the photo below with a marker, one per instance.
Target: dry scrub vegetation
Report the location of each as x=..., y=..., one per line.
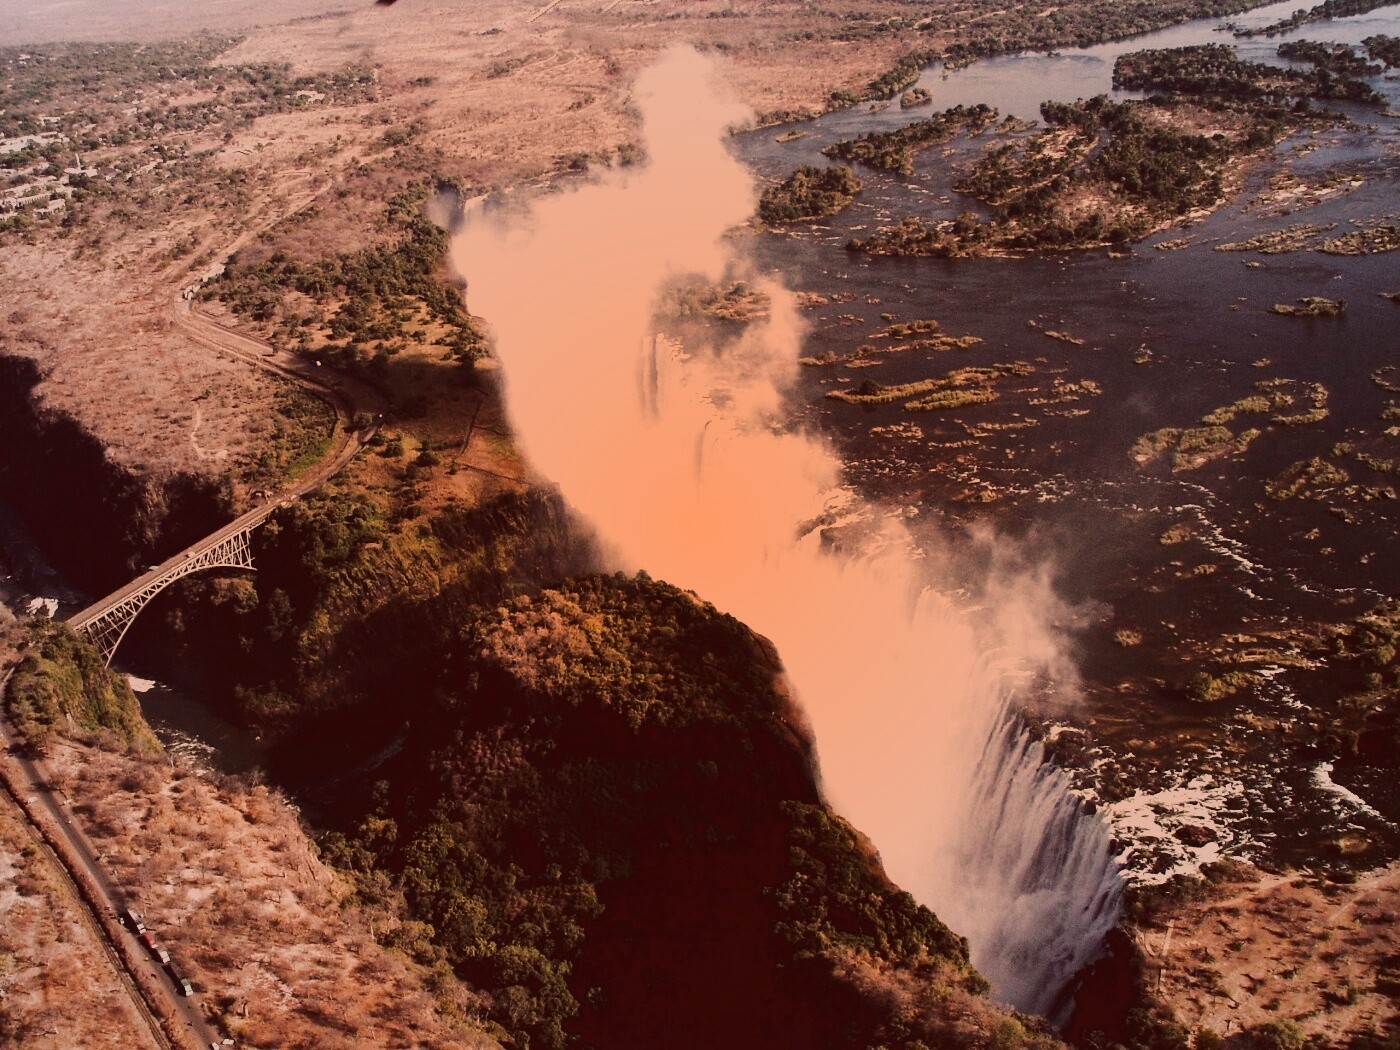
x=229, y=882
x=1264, y=948
x=57, y=987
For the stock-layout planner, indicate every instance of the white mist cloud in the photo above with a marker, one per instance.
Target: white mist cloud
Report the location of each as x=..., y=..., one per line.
x=677, y=457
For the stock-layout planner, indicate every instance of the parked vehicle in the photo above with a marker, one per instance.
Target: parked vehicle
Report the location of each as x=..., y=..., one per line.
x=155, y=948
x=181, y=982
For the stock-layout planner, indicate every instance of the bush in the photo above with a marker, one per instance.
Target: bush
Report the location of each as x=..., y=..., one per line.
x=1275, y=1035
x=62, y=685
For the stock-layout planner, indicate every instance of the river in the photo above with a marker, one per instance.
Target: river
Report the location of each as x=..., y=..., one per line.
x=1167, y=337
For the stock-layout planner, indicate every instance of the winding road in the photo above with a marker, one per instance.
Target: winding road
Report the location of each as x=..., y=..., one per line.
x=351, y=399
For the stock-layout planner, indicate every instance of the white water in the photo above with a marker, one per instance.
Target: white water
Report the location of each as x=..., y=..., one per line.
x=679, y=459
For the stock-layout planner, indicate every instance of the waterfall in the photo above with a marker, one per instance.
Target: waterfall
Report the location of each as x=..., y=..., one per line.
x=680, y=459
x=1038, y=853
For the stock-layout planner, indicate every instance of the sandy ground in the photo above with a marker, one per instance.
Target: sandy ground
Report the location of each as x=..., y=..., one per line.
x=1282, y=946
x=114, y=362
x=229, y=882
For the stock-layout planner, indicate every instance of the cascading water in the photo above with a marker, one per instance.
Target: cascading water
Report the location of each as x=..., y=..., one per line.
x=678, y=459
x=1033, y=884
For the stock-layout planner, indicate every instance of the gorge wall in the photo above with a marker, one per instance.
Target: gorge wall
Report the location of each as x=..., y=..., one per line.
x=98, y=523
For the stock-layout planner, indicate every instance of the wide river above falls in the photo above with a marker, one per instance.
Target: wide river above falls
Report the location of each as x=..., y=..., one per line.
x=1162, y=338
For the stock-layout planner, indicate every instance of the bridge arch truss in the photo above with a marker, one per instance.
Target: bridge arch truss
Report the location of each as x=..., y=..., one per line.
x=107, y=622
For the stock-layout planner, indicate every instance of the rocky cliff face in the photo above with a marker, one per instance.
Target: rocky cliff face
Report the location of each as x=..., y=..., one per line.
x=99, y=523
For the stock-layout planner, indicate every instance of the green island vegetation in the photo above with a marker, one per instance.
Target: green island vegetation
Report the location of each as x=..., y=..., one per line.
x=905, y=329
x=1216, y=71
x=1255, y=403
x=738, y=302
x=1387, y=377
x=360, y=308
x=579, y=750
x=1289, y=239
x=1067, y=187
x=1383, y=49
x=1373, y=240
x=1307, y=15
x=1193, y=447
x=1106, y=173
x=915, y=97
x=922, y=335
x=1210, y=689
x=895, y=150
x=809, y=193
x=1317, y=394
x=62, y=685
x=1306, y=479
x=1190, y=447
x=959, y=388
x=1178, y=533
x=1336, y=59
x=1310, y=306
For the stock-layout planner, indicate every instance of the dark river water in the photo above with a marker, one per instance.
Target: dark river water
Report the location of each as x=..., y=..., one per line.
x=1167, y=336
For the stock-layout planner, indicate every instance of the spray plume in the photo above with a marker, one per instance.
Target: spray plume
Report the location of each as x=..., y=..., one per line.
x=676, y=457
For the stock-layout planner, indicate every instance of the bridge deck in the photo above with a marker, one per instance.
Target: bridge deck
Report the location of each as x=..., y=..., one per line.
x=171, y=566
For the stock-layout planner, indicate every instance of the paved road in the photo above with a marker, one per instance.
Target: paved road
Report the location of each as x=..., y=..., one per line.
x=149, y=987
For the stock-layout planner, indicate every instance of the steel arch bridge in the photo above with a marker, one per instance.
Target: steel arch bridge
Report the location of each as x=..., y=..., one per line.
x=106, y=622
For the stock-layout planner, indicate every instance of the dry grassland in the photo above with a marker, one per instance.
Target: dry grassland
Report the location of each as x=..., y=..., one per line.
x=228, y=881
x=1268, y=947
x=57, y=987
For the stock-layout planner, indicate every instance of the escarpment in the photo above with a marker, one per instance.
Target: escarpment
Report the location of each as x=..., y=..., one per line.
x=99, y=522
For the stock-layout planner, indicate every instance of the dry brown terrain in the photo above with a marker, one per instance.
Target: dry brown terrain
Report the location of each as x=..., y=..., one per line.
x=1269, y=947
x=228, y=881
x=487, y=93
x=37, y=21
x=58, y=988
